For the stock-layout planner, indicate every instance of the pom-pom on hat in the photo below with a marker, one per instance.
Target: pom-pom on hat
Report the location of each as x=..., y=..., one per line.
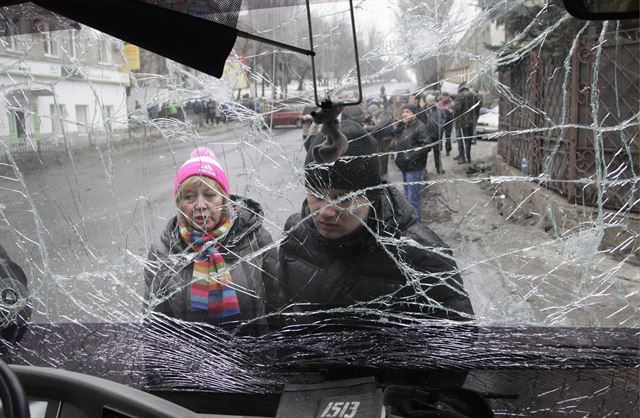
x=202, y=162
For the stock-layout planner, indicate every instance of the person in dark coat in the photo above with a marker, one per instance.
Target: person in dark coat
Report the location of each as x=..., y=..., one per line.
x=357, y=243
x=383, y=131
x=465, y=113
x=354, y=114
x=434, y=115
x=412, y=147
x=447, y=121
x=214, y=262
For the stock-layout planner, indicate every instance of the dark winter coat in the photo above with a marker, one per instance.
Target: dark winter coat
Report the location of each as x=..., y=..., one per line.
x=467, y=109
x=408, y=158
x=433, y=126
x=383, y=128
x=252, y=267
x=318, y=273
x=447, y=118
x=434, y=115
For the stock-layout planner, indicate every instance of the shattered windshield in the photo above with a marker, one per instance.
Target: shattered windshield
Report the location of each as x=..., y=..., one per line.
x=478, y=197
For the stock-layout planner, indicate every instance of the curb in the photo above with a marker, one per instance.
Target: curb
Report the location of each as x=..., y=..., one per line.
x=30, y=161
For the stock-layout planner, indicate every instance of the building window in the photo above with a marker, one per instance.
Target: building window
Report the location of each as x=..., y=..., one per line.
x=17, y=126
x=13, y=41
x=107, y=112
x=81, y=119
x=74, y=43
x=105, y=51
x=58, y=120
x=50, y=42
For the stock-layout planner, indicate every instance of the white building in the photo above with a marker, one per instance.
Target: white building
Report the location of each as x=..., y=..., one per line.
x=61, y=85
x=470, y=62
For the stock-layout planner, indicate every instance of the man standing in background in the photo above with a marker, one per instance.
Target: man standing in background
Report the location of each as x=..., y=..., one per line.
x=433, y=112
x=382, y=130
x=465, y=113
x=412, y=149
x=444, y=103
x=476, y=111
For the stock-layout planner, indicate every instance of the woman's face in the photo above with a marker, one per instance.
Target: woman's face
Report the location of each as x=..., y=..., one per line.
x=201, y=203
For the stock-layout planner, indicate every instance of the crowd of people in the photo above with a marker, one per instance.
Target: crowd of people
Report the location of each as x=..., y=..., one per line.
x=357, y=241
x=200, y=112
x=408, y=130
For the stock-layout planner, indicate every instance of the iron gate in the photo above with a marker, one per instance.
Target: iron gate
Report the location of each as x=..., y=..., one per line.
x=573, y=158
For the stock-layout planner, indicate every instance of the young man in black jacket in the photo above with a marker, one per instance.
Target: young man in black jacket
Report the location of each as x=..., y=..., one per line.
x=357, y=243
x=466, y=113
x=412, y=147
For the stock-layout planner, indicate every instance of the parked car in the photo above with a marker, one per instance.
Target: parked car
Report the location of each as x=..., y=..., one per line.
x=373, y=99
x=399, y=92
x=488, y=122
x=250, y=104
x=403, y=94
x=231, y=111
x=308, y=109
x=285, y=116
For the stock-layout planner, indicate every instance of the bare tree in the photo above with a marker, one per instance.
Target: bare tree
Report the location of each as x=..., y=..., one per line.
x=430, y=17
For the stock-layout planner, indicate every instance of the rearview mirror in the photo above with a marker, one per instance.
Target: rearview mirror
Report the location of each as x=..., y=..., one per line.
x=602, y=9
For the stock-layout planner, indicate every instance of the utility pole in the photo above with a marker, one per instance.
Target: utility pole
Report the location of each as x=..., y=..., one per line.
x=333, y=66
x=274, y=80
x=254, y=67
x=438, y=55
x=273, y=73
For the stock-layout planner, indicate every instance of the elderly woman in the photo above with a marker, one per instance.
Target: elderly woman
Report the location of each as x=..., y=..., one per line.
x=214, y=262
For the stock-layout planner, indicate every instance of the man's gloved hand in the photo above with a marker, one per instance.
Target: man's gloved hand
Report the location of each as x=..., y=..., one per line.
x=335, y=143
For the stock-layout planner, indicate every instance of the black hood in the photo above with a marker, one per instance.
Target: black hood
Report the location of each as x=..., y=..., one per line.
x=393, y=213
x=357, y=169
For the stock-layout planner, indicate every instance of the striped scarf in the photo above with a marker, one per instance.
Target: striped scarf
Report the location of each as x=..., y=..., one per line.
x=211, y=286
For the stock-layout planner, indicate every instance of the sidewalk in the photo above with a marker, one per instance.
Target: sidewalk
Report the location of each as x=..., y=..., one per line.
x=514, y=271
x=121, y=142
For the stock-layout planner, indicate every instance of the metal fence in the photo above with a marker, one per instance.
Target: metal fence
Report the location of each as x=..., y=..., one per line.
x=584, y=164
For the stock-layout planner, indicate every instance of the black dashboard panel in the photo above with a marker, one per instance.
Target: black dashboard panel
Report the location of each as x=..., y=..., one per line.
x=92, y=396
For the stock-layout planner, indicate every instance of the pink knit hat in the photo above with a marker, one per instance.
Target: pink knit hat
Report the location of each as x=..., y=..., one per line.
x=203, y=162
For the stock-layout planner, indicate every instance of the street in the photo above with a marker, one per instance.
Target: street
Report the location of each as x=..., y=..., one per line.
x=514, y=271
x=100, y=213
